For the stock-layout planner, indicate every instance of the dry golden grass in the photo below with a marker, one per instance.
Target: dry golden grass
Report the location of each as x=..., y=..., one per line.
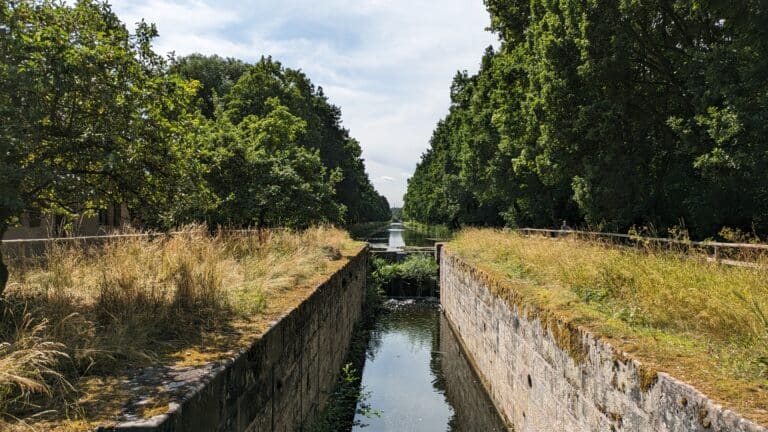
x=76, y=322
x=698, y=320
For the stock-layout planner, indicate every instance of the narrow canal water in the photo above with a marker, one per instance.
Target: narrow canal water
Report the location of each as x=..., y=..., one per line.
x=416, y=375
x=418, y=378
x=396, y=236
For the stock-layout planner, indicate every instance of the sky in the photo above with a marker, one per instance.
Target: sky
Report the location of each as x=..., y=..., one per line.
x=388, y=64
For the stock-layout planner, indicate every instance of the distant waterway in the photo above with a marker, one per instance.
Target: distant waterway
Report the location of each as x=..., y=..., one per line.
x=396, y=237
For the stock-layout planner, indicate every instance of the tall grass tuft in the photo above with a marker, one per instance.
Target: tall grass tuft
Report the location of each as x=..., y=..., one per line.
x=28, y=363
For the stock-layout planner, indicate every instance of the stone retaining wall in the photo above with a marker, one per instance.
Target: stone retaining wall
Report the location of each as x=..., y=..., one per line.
x=283, y=379
x=462, y=388
x=538, y=386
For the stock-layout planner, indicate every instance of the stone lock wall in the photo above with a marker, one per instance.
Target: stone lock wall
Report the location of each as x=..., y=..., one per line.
x=283, y=379
x=538, y=386
x=461, y=389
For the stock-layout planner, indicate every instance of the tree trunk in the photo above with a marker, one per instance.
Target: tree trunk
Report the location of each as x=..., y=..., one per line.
x=3, y=267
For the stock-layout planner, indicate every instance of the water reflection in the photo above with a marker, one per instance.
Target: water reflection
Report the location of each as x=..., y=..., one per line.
x=396, y=236
x=396, y=240
x=418, y=377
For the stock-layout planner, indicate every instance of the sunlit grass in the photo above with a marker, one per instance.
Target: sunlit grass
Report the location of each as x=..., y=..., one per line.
x=76, y=314
x=699, y=320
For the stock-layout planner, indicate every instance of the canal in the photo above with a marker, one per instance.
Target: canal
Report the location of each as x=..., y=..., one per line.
x=415, y=375
x=396, y=237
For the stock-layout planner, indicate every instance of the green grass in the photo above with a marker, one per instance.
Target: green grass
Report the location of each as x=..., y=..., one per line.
x=698, y=320
x=76, y=322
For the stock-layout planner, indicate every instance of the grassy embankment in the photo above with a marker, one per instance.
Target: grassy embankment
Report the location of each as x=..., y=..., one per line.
x=699, y=321
x=77, y=323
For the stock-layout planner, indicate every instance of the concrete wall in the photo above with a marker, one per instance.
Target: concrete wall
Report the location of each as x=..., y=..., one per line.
x=546, y=375
x=282, y=380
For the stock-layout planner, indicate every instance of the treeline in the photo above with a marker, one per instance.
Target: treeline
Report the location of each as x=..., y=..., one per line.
x=92, y=116
x=277, y=152
x=607, y=114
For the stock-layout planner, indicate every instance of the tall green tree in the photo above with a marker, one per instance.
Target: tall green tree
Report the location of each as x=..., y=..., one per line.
x=262, y=177
x=89, y=116
x=267, y=79
x=215, y=74
x=611, y=114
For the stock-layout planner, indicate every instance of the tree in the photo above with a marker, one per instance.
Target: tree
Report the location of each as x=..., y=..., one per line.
x=89, y=115
x=268, y=79
x=215, y=74
x=263, y=178
x=610, y=114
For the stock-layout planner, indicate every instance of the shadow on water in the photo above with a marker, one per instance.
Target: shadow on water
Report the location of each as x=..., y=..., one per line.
x=417, y=377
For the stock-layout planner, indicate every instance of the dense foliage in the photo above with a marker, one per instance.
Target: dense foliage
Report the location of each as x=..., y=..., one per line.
x=609, y=114
x=90, y=116
x=279, y=110
x=415, y=268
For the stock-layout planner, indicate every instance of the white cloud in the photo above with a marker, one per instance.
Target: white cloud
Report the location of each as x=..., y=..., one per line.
x=183, y=17
x=387, y=63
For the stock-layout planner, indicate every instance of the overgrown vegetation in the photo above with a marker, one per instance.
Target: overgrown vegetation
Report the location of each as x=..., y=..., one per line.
x=697, y=320
x=416, y=268
x=608, y=114
x=91, y=116
x=75, y=322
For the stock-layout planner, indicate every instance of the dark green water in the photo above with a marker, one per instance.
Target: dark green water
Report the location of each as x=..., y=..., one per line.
x=418, y=378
